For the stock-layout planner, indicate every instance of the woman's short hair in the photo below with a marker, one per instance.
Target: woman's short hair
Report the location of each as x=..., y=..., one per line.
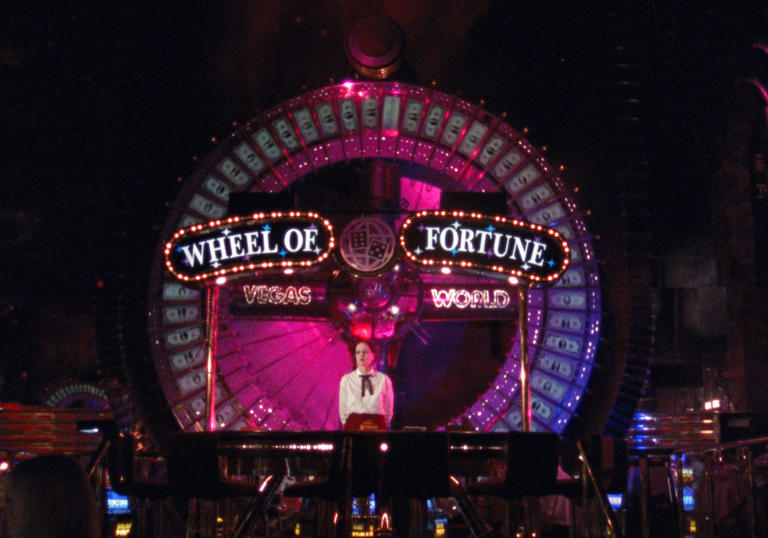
x=352, y=345
x=49, y=497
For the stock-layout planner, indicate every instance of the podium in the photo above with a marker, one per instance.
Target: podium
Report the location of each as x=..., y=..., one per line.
x=365, y=422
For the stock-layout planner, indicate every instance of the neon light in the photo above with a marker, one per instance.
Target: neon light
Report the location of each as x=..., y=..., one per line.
x=238, y=245
x=689, y=502
x=277, y=295
x=473, y=241
x=123, y=528
x=473, y=298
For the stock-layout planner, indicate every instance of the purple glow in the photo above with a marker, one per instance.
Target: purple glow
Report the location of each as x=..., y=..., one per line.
x=757, y=84
x=760, y=46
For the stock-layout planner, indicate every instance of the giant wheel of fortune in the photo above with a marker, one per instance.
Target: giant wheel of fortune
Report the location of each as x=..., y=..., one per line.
x=366, y=155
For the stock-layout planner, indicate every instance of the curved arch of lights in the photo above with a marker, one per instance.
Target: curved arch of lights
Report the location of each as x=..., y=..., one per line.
x=436, y=135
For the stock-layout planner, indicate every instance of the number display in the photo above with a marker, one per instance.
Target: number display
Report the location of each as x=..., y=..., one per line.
x=218, y=188
x=453, y=128
x=554, y=390
x=535, y=197
x=181, y=314
x=412, y=116
x=327, y=119
x=187, y=359
x=523, y=178
x=207, y=207
x=566, y=322
x=287, y=135
x=564, y=368
x=563, y=344
x=309, y=132
x=390, y=113
x=568, y=299
x=432, y=122
x=183, y=336
x=370, y=113
x=234, y=173
x=175, y=291
x=251, y=159
x=473, y=137
x=547, y=215
x=267, y=144
x=348, y=115
x=491, y=148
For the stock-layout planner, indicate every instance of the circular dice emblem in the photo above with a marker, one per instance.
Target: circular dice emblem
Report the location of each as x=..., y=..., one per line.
x=367, y=245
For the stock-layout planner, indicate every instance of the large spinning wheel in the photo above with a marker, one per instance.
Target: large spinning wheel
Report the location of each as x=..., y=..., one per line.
x=366, y=155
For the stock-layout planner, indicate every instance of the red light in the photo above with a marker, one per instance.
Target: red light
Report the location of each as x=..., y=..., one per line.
x=362, y=327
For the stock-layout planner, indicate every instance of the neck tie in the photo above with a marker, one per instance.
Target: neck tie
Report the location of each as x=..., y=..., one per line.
x=366, y=384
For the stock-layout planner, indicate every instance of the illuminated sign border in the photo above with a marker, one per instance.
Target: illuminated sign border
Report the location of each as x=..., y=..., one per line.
x=459, y=261
x=232, y=224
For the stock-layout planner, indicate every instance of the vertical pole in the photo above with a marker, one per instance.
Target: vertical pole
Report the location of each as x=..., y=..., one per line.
x=645, y=482
x=709, y=473
x=525, y=392
x=745, y=454
x=679, y=461
x=212, y=329
x=525, y=385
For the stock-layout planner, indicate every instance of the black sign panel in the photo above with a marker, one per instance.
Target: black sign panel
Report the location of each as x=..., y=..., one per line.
x=242, y=244
x=477, y=242
x=278, y=296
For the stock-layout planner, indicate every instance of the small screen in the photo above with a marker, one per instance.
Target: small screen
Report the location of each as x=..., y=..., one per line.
x=117, y=504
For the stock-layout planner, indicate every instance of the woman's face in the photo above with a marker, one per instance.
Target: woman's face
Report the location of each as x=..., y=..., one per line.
x=364, y=357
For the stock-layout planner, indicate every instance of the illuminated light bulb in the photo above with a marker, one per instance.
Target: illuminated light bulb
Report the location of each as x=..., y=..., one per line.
x=445, y=270
x=351, y=307
x=394, y=310
x=384, y=447
x=288, y=271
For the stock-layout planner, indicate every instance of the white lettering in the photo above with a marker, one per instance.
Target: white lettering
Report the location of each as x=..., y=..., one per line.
x=484, y=236
x=268, y=249
x=454, y=239
x=235, y=246
x=462, y=298
x=467, y=235
x=310, y=239
x=293, y=245
x=501, y=299
x=432, y=232
x=517, y=249
x=537, y=256
x=252, y=243
x=277, y=295
x=217, y=252
x=496, y=239
x=473, y=299
x=442, y=298
x=196, y=255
